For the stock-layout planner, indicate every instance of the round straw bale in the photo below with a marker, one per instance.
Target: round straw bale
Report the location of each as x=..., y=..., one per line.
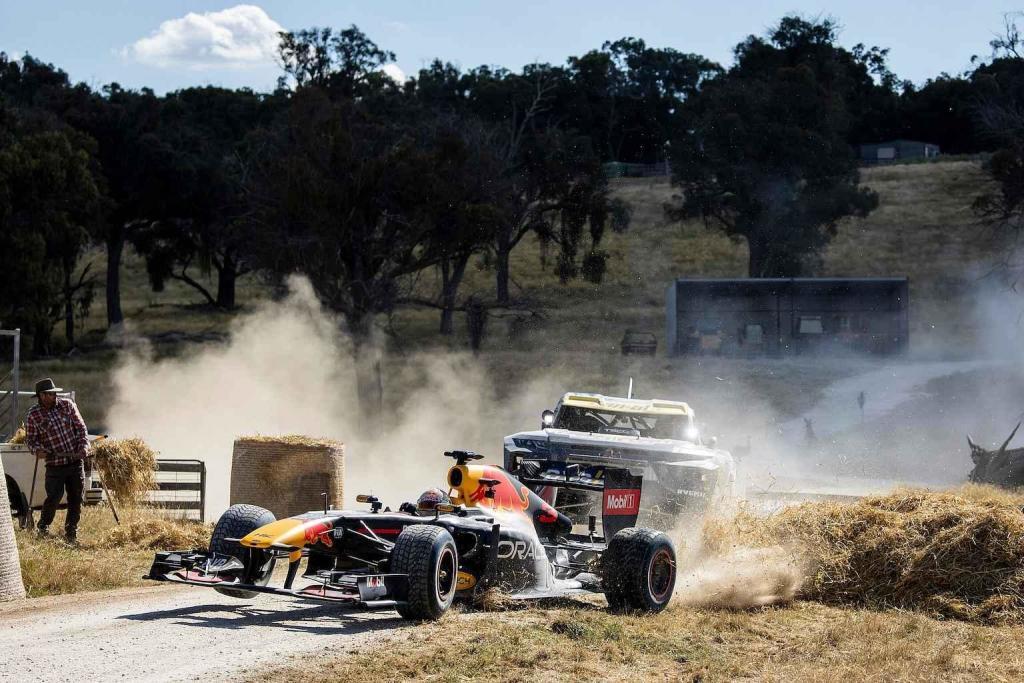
x=11, y=586
x=287, y=474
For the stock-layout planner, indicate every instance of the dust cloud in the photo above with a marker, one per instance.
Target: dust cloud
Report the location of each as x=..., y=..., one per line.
x=288, y=369
x=743, y=578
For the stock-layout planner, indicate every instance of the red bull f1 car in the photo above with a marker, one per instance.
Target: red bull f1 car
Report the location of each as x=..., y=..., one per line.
x=495, y=532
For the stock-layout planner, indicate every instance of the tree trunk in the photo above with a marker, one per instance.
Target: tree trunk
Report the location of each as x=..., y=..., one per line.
x=69, y=309
x=41, y=337
x=227, y=274
x=115, y=247
x=11, y=585
x=757, y=262
x=369, y=361
x=452, y=272
x=502, y=256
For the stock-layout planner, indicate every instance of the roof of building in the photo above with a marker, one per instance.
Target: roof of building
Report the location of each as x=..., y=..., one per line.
x=897, y=141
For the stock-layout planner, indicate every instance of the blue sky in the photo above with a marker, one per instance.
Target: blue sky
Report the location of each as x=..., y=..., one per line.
x=173, y=44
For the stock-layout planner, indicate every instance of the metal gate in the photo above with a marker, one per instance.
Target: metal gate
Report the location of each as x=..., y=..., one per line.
x=180, y=486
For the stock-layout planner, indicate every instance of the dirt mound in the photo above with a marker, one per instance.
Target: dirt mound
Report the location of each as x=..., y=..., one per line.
x=957, y=554
x=157, y=534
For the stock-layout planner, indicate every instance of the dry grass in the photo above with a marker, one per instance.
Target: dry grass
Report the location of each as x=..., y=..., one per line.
x=108, y=556
x=291, y=440
x=943, y=554
x=126, y=467
x=157, y=534
x=19, y=435
x=955, y=554
x=806, y=642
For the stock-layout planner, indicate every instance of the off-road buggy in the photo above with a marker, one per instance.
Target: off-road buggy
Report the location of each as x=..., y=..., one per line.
x=592, y=439
x=495, y=533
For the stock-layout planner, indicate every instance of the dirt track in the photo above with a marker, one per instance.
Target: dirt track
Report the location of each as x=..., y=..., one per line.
x=171, y=634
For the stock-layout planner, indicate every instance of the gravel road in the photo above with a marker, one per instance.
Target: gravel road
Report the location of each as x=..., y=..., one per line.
x=171, y=634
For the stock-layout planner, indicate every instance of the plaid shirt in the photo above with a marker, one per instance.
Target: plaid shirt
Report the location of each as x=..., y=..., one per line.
x=59, y=431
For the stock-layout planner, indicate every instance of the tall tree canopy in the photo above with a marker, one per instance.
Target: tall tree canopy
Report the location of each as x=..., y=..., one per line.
x=339, y=197
x=628, y=97
x=1000, y=108
x=202, y=220
x=767, y=158
x=50, y=203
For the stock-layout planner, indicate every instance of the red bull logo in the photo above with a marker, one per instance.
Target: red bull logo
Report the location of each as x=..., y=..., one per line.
x=319, y=532
x=506, y=496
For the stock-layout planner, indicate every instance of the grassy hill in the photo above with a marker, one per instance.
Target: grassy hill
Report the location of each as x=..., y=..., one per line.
x=923, y=229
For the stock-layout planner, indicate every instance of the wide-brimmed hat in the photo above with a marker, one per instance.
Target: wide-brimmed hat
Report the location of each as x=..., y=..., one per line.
x=46, y=386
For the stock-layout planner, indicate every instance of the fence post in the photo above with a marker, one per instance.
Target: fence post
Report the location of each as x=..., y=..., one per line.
x=202, y=493
x=15, y=414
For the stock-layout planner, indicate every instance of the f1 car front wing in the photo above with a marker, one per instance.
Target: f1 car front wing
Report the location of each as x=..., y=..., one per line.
x=369, y=591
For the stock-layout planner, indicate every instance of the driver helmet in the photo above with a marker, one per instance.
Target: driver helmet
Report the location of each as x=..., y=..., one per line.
x=430, y=499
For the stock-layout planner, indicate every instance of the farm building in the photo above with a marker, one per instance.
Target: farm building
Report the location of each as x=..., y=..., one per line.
x=787, y=316
x=897, y=150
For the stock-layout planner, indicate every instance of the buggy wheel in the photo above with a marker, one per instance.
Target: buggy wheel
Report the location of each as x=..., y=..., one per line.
x=639, y=570
x=237, y=522
x=428, y=556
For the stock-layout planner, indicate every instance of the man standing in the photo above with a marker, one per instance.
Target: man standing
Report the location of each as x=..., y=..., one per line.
x=55, y=431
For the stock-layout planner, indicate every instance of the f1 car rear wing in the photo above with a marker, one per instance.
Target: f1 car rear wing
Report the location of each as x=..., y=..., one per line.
x=620, y=489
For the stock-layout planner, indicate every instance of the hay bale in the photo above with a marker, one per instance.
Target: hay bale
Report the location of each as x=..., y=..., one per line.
x=287, y=474
x=126, y=467
x=19, y=435
x=11, y=585
x=957, y=554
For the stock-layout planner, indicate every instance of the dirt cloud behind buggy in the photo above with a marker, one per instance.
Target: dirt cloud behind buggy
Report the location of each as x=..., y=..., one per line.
x=286, y=369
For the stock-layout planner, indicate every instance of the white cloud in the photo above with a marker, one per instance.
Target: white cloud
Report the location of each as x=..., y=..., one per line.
x=239, y=37
x=393, y=72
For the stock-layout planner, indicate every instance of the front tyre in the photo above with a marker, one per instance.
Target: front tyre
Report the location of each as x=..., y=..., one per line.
x=239, y=521
x=427, y=555
x=639, y=570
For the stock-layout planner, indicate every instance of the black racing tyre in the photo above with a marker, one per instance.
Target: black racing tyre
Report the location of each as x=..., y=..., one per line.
x=639, y=570
x=236, y=522
x=427, y=554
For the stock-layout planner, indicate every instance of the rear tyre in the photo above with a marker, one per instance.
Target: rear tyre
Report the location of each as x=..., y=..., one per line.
x=427, y=554
x=639, y=570
x=237, y=522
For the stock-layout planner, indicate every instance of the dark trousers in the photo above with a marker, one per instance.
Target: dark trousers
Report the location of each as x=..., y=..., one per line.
x=58, y=479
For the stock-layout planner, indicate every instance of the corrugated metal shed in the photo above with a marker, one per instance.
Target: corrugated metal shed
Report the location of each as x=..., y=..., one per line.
x=782, y=316
x=896, y=150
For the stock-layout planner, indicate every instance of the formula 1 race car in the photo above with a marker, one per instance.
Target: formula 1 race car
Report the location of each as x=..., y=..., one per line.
x=494, y=532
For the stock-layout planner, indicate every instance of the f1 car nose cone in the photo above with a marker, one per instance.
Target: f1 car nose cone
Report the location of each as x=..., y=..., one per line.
x=281, y=532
